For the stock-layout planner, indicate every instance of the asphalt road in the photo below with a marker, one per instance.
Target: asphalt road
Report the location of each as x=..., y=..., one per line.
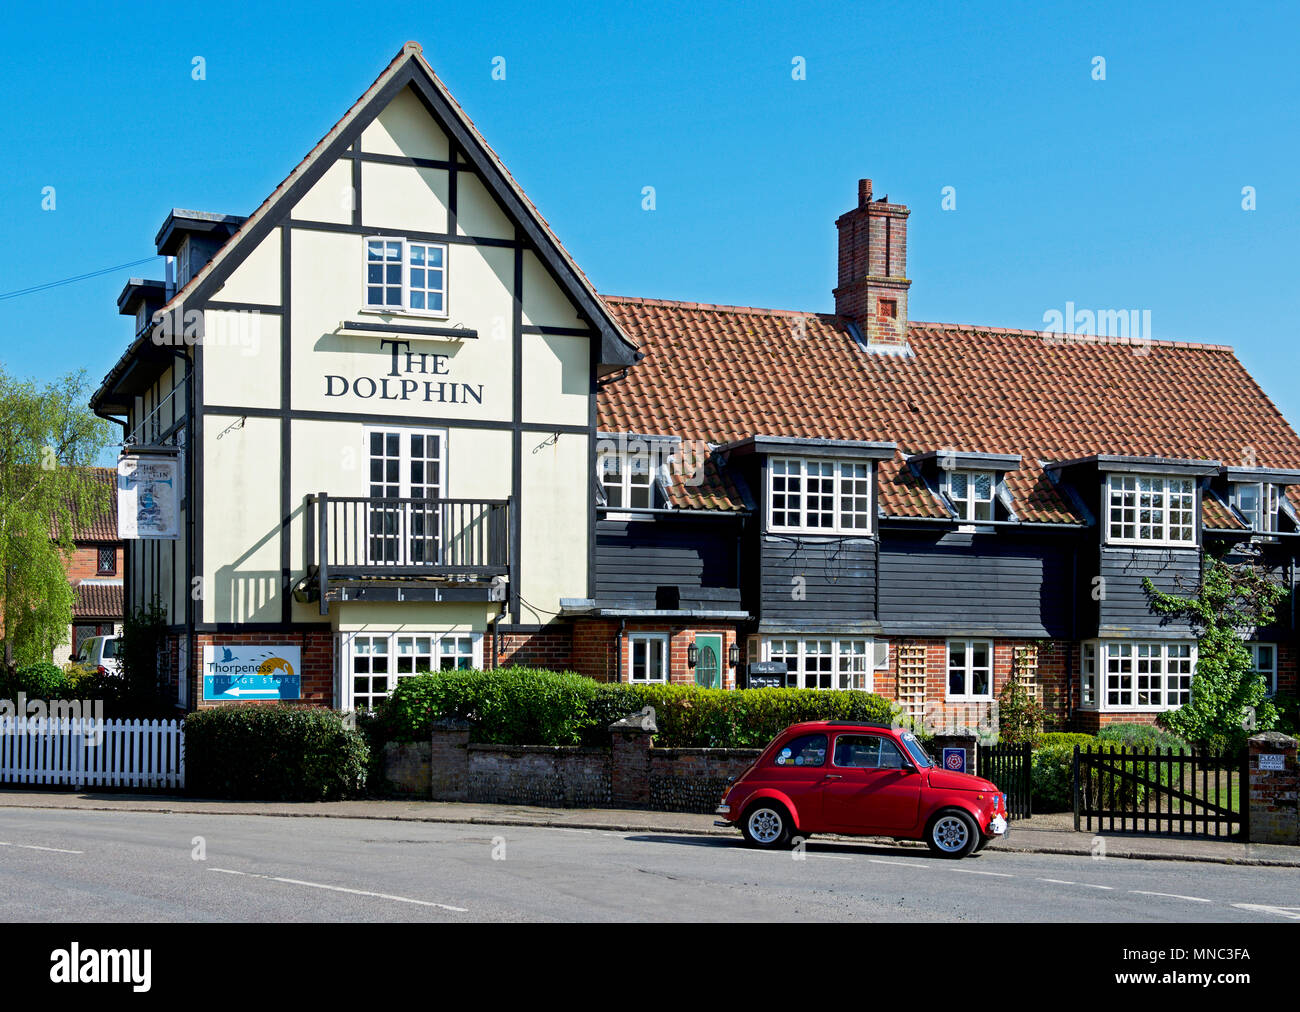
x=118, y=867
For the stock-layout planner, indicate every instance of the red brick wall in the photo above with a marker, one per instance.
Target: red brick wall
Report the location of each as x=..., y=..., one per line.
x=85, y=563
x=551, y=648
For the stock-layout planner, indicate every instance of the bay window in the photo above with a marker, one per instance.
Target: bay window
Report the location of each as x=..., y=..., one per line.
x=819, y=496
x=1136, y=675
x=824, y=662
x=1150, y=509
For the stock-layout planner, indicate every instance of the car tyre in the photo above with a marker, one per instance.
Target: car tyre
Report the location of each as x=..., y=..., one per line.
x=984, y=842
x=767, y=825
x=952, y=834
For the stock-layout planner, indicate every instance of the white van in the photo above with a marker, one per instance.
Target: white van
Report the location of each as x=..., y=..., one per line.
x=100, y=652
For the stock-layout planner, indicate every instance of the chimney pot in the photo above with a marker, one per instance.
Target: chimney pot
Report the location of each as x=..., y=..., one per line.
x=864, y=192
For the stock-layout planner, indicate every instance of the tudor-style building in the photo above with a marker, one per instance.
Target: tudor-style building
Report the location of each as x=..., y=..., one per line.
x=411, y=435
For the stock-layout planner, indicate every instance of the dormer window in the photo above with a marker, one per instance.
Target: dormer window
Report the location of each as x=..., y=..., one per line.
x=971, y=494
x=1258, y=503
x=1150, y=510
x=819, y=496
x=627, y=480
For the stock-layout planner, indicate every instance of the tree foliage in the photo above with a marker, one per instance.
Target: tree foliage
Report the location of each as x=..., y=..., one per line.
x=48, y=440
x=1229, y=698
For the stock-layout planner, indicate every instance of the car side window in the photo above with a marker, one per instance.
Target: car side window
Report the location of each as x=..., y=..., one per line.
x=867, y=751
x=806, y=750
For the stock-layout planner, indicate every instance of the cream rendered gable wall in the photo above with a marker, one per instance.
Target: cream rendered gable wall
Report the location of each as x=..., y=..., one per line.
x=341, y=380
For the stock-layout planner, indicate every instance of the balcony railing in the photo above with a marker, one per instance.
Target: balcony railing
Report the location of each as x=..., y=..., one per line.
x=359, y=539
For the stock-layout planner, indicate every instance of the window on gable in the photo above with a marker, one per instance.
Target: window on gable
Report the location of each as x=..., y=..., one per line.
x=819, y=496
x=971, y=493
x=627, y=479
x=1259, y=503
x=405, y=276
x=1150, y=509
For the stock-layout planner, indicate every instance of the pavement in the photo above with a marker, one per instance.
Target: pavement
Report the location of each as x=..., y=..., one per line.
x=1044, y=834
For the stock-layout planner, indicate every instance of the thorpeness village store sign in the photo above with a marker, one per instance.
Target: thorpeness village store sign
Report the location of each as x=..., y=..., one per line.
x=412, y=376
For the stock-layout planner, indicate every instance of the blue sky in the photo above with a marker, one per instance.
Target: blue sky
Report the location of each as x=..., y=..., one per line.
x=1117, y=194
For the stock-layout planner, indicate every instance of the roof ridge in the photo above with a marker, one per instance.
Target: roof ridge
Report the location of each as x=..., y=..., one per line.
x=714, y=307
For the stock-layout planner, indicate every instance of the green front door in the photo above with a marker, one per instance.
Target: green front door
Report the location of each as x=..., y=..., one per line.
x=708, y=664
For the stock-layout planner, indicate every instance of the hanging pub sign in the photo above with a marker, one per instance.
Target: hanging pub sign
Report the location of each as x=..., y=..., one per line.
x=148, y=498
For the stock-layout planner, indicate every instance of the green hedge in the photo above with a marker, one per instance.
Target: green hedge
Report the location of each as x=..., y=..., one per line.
x=39, y=681
x=273, y=752
x=1143, y=737
x=1051, y=776
x=1064, y=738
x=527, y=706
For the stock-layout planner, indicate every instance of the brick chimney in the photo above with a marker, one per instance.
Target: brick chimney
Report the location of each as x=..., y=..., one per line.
x=873, y=284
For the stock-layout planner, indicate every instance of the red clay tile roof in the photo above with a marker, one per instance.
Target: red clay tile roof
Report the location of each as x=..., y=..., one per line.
x=97, y=600
x=104, y=528
x=721, y=373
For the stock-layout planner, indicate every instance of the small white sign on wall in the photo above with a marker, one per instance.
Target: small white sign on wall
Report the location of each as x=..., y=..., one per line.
x=1272, y=761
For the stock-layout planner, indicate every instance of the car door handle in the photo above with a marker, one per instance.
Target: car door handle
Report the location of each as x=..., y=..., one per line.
x=832, y=776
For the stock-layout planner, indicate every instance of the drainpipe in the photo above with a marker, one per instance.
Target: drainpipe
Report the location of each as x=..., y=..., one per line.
x=618, y=653
x=191, y=506
x=496, y=642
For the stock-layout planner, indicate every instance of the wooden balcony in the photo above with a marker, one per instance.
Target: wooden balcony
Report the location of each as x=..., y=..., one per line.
x=358, y=540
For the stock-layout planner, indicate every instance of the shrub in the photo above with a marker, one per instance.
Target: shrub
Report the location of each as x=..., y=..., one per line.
x=1020, y=718
x=42, y=680
x=1064, y=738
x=1142, y=737
x=1051, y=775
x=1288, y=713
x=273, y=752
x=521, y=706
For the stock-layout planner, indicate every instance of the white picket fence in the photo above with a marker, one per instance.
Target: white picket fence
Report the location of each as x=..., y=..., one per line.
x=86, y=753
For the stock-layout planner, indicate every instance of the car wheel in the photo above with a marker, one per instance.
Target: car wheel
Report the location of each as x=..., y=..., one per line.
x=766, y=824
x=952, y=834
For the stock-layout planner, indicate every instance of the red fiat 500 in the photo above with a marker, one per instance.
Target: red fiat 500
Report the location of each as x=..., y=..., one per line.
x=860, y=779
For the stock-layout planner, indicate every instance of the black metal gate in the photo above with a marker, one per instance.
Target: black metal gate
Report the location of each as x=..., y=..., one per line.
x=1008, y=767
x=1162, y=792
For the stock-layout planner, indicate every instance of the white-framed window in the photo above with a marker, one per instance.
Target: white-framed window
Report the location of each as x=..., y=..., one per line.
x=627, y=479
x=1139, y=675
x=819, y=496
x=824, y=662
x=970, y=671
x=1263, y=661
x=404, y=464
x=1088, y=677
x=647, y=657
x=1259, y=503
x=375, y=661
x=405, y=276
x=971, y=493
x=1150, y=510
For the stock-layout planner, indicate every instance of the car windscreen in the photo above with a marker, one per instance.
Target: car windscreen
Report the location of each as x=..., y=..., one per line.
x=916, y=750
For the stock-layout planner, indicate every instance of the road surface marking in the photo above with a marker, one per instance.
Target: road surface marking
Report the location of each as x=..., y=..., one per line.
x=32, y=846
x=905, y=864
x=972, y=871
x=1171, y=896
x=341, y=889
x=564, y=829
x=1291, y=912
x=1083, y=885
